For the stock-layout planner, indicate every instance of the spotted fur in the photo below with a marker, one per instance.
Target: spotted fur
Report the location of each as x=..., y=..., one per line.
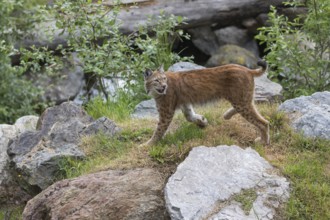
x=232, y=82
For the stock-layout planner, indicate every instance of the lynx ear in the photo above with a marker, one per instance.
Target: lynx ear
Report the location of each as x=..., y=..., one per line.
x=161, y=69
x=147, y=73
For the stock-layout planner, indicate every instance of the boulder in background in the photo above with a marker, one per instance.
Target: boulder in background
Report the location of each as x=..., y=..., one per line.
x=233, y=54
x=310, y=114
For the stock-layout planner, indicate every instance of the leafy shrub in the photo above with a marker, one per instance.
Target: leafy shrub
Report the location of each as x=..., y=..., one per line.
x=298, y=51
x=18, y=96
x=93, y=32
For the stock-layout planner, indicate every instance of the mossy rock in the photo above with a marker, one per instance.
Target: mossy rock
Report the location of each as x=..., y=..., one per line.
x=233, y=54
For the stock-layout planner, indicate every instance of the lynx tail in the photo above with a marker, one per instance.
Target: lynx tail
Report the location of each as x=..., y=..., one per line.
x=260, y=71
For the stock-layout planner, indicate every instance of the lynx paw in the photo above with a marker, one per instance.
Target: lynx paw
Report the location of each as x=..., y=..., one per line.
x=201, y=121
x=259, y=140
x=147, y=144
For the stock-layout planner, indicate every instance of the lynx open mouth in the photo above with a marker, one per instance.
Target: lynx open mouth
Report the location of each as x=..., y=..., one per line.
x=162, y=90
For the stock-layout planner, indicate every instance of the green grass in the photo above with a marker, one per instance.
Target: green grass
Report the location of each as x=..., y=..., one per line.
x=12, y=213
x=184, y=133
x=117, y=110
x=310, y=196
x=246, y=198
x=305, y=162
x=99, y=150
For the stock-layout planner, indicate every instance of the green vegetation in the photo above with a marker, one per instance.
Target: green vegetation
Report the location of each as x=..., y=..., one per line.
x=307, y=166
x=246, y=198
x=298, y=51
x=12, y=214
x=92, y=31
x=18, y=96
x=304, y=161
x=118, y=110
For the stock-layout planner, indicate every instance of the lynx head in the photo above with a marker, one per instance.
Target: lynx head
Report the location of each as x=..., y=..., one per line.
x=155, y=82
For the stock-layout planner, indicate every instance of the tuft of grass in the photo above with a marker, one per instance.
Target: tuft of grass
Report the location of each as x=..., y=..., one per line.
x=158, y=153
x=99, y=150
x=118, y=109
x=184, y=133
x=246, y=197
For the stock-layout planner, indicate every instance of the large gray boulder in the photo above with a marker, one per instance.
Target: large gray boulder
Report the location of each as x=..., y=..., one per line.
x=35, y=155
x=204, y=39
x=310, y=114
x=145, y=109
x=231, y=53
x=10, y=191
x=237, y=36
x=211, y=181
x=114, y=194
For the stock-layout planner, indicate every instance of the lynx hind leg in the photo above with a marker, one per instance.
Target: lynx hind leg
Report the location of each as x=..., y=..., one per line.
x=229, y=113
x=191, y=116
x=250, y=113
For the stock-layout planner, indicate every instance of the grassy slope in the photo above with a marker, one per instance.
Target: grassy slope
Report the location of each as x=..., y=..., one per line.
x=305, y=162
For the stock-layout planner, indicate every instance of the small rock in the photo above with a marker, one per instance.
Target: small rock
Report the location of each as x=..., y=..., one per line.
x=26, y=123
x=146, y=109
x=103, y=125
x=310, y=114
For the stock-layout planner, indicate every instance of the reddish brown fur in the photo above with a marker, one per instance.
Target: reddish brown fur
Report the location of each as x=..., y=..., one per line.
x=232, y=82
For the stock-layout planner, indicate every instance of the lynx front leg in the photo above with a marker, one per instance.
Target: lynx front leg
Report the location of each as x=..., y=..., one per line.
x=165, y=118
x=191, y=116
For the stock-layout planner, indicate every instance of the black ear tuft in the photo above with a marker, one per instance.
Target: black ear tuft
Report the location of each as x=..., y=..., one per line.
x=262, y=63
x=147, y=73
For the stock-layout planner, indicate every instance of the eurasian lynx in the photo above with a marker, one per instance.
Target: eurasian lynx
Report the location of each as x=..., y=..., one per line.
x=232, y=82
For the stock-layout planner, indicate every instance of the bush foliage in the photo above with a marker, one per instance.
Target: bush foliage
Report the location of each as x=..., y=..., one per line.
x=92, y=30
x=18, y=96
x=298, y=51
